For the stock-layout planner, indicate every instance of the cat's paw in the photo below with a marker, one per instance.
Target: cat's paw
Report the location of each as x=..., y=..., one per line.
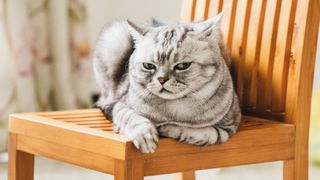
x=144, y=137
x=196, y=136
x=199, y=136
x=168, y=130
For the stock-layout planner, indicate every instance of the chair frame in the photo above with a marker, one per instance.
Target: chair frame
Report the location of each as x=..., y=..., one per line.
x=85, y=138
x=287, y=32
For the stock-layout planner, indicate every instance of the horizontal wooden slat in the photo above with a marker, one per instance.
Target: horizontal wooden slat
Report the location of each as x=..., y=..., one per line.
x=66, y=153
x=69, y=134
x=216, y=159
x=73, y=116
x=100, y=125
x=107, y=129
x=67, y=112
x=267, y=114
x=271, y=132
x=94, y=122
x=100, y=138
x=84, y=119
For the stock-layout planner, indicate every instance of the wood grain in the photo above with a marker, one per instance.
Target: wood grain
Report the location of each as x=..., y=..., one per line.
x=188, y=175
x=282, y=55
x=215, y=7
x=239, y=43
x=202, y=9
x=129, y=170
x=300, y=79
x=247, y=137
x=289, y=170
x=207, y=160
x=21, y=164
x=69, y=112
x=68, y=134
x=187, y=10
x=252, y=53
x=227, y=24
x=267, y=53
x=64, y=153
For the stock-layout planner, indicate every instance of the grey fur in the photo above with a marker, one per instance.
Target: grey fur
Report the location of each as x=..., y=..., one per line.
x=196, y=106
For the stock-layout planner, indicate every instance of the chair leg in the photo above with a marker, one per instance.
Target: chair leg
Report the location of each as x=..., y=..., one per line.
x=294, y=170
x=188, y=175
x=129, y=169
x=21, y=164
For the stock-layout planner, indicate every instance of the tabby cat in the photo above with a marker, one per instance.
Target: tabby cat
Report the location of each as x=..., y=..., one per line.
x=168, y=80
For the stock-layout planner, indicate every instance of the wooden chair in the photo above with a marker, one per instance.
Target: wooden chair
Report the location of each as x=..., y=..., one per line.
x=272, y=44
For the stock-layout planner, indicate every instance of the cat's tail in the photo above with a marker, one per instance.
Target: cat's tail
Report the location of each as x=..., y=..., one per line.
x=110, y=60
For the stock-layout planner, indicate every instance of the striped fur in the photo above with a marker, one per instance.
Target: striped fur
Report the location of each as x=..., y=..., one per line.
x=197, y=105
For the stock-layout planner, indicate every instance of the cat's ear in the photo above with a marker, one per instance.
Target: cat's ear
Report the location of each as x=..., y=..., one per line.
x=206, y=28
x=214, y=21
x=156, y=22
x=136, y=31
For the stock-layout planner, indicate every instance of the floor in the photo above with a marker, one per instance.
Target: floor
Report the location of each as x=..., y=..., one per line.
x=52, y=170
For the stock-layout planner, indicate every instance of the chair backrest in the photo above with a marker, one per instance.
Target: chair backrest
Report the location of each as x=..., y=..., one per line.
x=272, y=44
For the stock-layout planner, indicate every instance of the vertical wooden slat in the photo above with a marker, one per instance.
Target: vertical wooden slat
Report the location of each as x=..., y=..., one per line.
x=201, y=12
x=301, y=67
x=239, y=43
x=21, y=164
x=288, y=170
x=215, y=7
x=300, y=79
x=187, y=10
x=261, y=73
x=267, y=52
x=129, y=169
x=227, y=24
x=188, y=175
x=252, y=52
x=282, y=55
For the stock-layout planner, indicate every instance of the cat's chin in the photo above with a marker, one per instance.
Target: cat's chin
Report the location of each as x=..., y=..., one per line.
x=168, y=95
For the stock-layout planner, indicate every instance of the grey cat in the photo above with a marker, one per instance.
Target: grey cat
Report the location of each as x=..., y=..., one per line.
x=168, y=80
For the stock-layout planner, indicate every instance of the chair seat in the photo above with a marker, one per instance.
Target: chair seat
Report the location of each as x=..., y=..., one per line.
x=85, y=137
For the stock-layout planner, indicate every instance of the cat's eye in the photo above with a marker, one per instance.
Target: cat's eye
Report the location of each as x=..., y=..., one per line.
x=182, y=66
x=149, y=66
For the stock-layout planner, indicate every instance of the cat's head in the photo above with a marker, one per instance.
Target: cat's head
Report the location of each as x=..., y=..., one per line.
x=174, y=61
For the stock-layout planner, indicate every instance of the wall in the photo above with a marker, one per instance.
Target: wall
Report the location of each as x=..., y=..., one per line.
x=103, y=12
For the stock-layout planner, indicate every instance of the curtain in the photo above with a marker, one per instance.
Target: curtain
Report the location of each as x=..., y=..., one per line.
x=44, y=58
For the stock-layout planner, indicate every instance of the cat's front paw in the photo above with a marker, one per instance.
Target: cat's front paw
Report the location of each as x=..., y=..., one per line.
x=199, y=136
x=144, y=137
x=169, y=130
x=196, y=136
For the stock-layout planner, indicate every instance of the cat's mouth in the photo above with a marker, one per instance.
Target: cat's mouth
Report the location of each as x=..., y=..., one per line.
x=169, y=94
x=163, y=90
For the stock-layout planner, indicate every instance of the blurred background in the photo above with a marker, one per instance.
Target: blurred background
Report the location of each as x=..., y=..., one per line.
x=45, y=64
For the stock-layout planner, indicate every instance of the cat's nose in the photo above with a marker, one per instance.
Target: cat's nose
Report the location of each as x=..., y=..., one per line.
x=162, y=80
